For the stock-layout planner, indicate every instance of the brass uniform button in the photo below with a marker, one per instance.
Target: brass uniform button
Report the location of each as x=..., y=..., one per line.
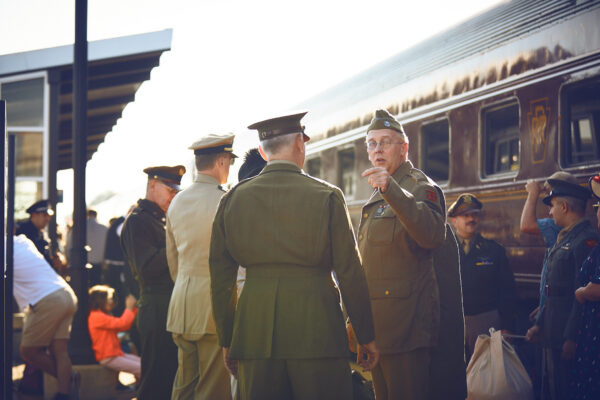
x=360, y=237
x=365, y=215
x=387, y=292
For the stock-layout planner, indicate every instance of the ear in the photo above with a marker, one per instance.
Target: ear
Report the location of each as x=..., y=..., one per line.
x=262, y=153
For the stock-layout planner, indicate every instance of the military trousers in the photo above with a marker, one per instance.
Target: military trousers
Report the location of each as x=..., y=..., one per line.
x=298, y=379
x=201, y=372
x=556, y=375
x=159, y=353
x=403, y=375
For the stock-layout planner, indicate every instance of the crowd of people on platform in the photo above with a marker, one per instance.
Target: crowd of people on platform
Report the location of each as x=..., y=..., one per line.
x=237, y=294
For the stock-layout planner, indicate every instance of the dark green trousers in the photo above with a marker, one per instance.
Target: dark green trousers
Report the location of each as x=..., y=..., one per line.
x=403, y=376
x=159, y=353
x=298, y=379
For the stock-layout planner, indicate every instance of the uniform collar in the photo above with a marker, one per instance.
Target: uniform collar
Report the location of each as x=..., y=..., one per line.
x=204, y=178
x=280, y=165
x=151, y=207
x=572, y=229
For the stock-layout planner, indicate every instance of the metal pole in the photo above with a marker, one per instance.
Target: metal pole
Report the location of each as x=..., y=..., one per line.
x=6, y=312
x=80, y=347
x=54, y=81
x=8, y=280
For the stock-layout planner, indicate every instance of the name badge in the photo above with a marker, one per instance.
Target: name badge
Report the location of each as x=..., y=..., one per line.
x=484, y=261
x=381, y=210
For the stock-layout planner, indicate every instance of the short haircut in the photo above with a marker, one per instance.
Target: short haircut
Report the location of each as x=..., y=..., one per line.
x=99, y=295
x=92, y=213
x=575, y=205
x=207, y=161
x=275, y=144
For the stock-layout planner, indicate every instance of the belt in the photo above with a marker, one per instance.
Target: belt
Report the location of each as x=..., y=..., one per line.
x=557, y=291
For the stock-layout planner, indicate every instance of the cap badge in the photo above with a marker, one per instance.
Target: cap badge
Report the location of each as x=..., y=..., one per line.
x=468, y=199
x=386, y=123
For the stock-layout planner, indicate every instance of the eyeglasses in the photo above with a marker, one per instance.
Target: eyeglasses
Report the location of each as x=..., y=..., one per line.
x=384, y=144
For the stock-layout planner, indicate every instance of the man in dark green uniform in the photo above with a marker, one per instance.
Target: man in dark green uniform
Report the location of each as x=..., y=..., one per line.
x=488, y=283
x=289, y=231
x=143, y=240
x=558, y=320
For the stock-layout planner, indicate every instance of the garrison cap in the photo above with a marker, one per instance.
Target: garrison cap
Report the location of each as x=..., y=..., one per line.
x=253, y=164
x=41, y=206
x=594, y=184
x=565, y=189
x=384, y=120
x=280, y=125
x=465, y=203
x=214, y=143
x=170, y=176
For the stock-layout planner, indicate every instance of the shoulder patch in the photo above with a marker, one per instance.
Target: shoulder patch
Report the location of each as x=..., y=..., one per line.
x=431, y=195
x=591, y=243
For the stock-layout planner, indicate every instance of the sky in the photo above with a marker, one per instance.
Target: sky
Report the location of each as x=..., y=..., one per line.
x=232, y=62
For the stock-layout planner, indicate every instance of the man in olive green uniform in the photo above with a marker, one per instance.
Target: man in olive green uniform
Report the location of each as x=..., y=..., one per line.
x=201, y=373
x=143, y=242
x=402, y=223
x=289, y=231
x=488, y=284
x=557, y=321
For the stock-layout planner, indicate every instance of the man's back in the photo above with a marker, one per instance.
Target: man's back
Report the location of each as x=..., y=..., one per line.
x=289, y=230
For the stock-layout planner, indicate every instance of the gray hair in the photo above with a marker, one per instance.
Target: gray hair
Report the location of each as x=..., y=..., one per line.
x=276, y=144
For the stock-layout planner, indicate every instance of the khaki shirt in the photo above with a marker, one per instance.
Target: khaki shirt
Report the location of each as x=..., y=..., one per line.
x=189, y=224
x=290, y=231
x=398, y=231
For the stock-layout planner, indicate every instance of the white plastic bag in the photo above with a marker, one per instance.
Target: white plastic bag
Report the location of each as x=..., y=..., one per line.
x=495, y=371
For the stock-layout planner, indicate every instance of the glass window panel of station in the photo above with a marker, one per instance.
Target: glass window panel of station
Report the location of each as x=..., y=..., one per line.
x=29, y=152
x=501, y=139
x=24, y=102
x=27, y=192
x=435, y=137
x=347, y=179
x=581, y=127
x=313, y=167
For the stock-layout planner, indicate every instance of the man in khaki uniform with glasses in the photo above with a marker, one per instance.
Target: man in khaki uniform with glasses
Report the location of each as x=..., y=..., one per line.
x=402, y=223
x=201, y=373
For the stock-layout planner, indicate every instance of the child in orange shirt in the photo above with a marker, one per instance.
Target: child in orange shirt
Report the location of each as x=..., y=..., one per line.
x=103, y=329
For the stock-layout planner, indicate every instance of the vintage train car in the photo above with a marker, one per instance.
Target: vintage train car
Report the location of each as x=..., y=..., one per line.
x=510, y=95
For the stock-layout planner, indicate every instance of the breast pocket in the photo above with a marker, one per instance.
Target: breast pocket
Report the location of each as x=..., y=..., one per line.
x=381, y=230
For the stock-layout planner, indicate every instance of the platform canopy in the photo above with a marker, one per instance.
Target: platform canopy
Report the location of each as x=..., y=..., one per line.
x=117, y=68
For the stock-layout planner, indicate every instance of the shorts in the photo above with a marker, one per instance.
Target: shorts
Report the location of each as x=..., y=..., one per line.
x=49, y=319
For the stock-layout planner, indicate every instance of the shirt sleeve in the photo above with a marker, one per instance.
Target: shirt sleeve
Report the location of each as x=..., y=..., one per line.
x=348, y=270
x=223, y=273
x=549, y=231
x=420, y=212
x=101, y=320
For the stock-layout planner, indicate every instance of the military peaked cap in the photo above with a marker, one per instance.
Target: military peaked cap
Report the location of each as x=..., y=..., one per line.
x=281, y=125
x=384, y=120
x=170, y=176
x=594, y=184
x=253, y=164
x=466, y=203
x=41, y=206
x=214, y=143
x=565, y=189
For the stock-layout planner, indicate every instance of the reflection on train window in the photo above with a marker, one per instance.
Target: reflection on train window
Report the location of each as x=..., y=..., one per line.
x=582, y=124
x=501, y=139
x=346, y=178
x=313, y=167
x=436, y=150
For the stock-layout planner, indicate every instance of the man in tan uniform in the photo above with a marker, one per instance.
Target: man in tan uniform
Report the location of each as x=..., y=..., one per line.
x=402, y=223
x=289, y=231
x=201, y=373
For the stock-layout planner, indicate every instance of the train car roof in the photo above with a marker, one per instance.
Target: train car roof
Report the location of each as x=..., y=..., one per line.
x=510, y=39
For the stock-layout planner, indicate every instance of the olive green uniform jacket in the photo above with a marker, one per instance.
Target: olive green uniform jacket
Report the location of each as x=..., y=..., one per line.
x=290, y=231
x=560, y=315
x=448, y=366
x=398, y=232
x=143, y=243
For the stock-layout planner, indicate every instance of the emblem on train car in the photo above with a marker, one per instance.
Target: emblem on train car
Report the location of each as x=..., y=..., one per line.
x=539, y=118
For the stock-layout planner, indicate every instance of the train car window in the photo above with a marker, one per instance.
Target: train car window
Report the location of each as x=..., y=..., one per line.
x=346, y=178
x=581, y=109
x=435, y=138
x=501, y=139
x=313, y=167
